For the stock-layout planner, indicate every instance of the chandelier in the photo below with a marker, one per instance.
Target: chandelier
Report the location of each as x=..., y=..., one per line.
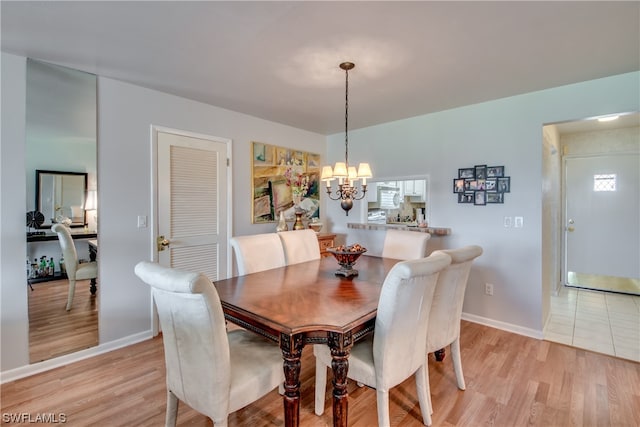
x=347, y=176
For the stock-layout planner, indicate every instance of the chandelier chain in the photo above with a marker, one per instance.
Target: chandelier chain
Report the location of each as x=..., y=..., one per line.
x=346, y=118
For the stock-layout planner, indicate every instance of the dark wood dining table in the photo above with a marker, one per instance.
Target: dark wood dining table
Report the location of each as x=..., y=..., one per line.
x=304, y=304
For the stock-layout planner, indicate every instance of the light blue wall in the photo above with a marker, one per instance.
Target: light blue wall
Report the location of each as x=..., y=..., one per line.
x=503, y=132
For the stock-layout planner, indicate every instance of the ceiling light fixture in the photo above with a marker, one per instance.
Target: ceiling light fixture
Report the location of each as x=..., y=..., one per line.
x=347, y=176
x=607, y=118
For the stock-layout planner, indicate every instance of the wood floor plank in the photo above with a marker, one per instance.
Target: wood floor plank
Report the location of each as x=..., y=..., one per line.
x=511, y=381
x=54, y=331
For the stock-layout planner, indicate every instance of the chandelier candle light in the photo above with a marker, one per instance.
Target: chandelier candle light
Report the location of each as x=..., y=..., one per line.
x=347, y=175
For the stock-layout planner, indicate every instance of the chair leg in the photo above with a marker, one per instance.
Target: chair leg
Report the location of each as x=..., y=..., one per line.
x=72, y=291
x=321, y=385
x=382, y=397
x=457, y=363
x=424, y=393
x=172, y=410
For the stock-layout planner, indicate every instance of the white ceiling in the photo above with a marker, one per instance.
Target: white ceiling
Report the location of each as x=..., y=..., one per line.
x=279, y=60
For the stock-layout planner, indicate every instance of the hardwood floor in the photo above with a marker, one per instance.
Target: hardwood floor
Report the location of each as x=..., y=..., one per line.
x=511, y=381
x=54, y=331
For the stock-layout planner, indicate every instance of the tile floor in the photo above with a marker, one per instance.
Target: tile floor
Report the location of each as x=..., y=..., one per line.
x=604, y=322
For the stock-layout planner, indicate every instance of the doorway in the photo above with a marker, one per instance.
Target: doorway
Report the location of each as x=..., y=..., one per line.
x=602, y=226
x=604, y=322
x=192, y=201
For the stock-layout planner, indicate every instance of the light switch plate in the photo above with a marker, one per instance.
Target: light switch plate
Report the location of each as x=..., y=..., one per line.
x=142, y=221
x=518, y=222
x=507, y=221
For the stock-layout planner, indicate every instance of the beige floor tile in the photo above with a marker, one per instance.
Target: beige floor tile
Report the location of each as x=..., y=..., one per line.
x=600, y=346
x=630, y=353
x=602, y=322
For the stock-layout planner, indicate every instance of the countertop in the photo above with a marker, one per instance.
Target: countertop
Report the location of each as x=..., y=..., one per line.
x=434, y=231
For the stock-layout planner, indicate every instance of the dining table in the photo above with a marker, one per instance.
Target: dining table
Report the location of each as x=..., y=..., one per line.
x=307, y=303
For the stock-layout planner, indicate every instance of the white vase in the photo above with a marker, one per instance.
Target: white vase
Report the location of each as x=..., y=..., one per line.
x=282, y=224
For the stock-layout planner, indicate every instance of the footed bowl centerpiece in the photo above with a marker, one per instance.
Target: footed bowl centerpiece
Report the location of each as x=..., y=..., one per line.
x=347, y=257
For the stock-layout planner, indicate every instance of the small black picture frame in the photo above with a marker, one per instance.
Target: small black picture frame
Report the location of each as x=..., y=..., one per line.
x=466, y=197
x=458, y=185
x=495, y=197
x=491, y=185
x=504, y=184
x=495, y=171
x=466, y=173
x=480, y=171
x=479, y=198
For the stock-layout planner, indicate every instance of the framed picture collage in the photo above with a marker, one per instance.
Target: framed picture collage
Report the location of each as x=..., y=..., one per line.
x=481, y=184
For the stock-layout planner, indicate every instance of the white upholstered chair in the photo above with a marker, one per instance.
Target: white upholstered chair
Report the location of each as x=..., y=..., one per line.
x=446, y=309
x=300, y=245
x=258, y=252
x=396, y=350
x=403, y=244
x=75, y=271
x=212, y=371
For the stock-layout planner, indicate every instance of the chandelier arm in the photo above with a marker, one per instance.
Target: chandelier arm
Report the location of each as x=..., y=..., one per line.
x=362, y=194
x=338, y=196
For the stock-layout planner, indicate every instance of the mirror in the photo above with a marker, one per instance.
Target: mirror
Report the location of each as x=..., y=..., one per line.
x=61, y=196
x=60, y=169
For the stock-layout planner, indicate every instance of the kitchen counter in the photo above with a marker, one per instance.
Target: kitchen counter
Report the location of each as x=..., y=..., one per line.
x=434, y=231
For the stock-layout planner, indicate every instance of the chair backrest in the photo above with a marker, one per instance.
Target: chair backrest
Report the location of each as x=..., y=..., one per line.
x=196, y=347
x=300, y=245
x=68, y=248
x=446, y=310
x=258, y=252
x=403, y=244
x=399, y=341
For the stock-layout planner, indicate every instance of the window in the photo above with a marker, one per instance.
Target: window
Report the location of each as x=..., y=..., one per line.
x=604, y=182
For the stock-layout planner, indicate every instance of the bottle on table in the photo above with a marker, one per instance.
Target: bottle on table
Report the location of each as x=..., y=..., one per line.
x=52, y=267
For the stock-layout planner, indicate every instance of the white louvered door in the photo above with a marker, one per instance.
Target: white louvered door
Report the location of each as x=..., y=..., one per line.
x=192, y=203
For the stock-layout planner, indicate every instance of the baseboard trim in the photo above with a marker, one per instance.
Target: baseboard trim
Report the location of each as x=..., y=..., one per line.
x=509, y=327
x=46, y=365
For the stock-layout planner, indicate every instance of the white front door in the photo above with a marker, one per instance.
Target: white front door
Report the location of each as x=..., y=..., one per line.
x=193, y=206
x=602, y=215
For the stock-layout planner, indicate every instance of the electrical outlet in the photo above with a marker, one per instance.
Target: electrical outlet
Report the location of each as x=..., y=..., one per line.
x=488, y=289
x=518, y=222
x=507, y=221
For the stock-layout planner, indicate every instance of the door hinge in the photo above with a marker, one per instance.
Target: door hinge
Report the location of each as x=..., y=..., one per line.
x=227, y=161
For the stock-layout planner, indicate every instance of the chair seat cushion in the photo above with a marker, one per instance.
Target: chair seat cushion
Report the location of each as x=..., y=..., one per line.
x=87, y=270
x=361, y=366
x=256, y=365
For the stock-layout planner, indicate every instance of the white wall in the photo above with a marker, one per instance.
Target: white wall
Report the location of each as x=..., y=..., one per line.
x=125, y=115
x=551, y=217
x=503, y=132
x=14, y=323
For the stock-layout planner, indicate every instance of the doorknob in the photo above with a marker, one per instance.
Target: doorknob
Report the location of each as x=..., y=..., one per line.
x=570, y=229
x=162, y=243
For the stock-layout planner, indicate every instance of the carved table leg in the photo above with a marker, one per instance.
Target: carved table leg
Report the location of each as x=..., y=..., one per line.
x=340, y=346
x=291, y=347
x=440, y=354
